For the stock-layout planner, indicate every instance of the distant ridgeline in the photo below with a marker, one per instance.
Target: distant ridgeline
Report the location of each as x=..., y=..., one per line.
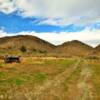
x=33, y=46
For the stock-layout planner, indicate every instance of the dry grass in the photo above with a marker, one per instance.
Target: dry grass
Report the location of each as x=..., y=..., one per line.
x=50, y=78
x=95, y=65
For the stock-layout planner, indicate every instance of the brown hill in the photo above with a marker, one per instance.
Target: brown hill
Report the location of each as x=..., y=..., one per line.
x=74, y=48
x=30, y=44
x=97, y=50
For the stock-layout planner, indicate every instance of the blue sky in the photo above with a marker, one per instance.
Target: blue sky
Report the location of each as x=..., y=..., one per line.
x=48, y=20
x=14, y=23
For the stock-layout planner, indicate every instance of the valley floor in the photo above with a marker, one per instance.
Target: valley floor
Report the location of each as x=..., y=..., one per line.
x=50, y=78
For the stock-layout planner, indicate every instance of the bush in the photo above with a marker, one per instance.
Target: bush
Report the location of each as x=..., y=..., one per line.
x=23, y=49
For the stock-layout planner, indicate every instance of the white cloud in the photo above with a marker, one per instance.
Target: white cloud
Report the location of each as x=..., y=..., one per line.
x=7, y=6
x=70, y=10
x=3, y=34
x=90, y=37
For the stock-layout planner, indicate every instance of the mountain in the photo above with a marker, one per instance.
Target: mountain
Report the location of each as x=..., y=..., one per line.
x=15, y=44
x=74, y=48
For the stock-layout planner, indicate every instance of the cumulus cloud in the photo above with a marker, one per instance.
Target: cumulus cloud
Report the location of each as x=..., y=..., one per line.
x=71, y=11
x=90, y=37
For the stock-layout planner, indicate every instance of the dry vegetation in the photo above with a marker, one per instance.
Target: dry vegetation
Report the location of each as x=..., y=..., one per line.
x=70, y=71
x=50, y=78
x=33, y=46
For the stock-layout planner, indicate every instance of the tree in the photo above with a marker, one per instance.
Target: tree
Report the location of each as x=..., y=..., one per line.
x=23, y=49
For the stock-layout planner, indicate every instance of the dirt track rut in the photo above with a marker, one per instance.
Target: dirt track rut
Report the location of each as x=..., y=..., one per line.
x=81, y=90
x=60, y=78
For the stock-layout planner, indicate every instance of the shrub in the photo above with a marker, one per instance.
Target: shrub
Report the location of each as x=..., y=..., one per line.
x=23, y=49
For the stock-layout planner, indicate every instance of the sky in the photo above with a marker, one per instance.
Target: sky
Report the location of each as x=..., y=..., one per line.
x=55, y=21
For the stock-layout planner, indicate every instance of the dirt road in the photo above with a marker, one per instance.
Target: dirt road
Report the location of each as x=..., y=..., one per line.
x=79, y=89
x=72, y=83
x=51, y=84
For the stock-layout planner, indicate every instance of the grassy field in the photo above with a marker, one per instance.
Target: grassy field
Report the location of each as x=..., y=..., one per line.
x=50, y=78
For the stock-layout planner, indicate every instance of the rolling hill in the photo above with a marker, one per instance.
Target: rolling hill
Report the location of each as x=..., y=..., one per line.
x=74, y=48
x=33, y=45
x=14, y=44
x=97, y=50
